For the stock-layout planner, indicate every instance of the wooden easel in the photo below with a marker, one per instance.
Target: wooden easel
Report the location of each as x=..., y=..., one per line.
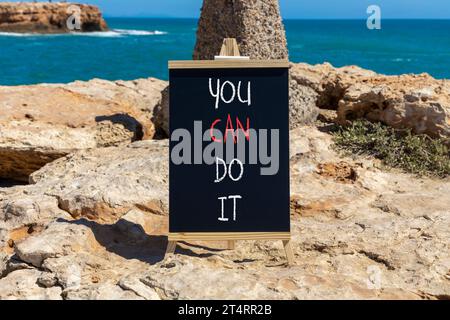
x=230, y=49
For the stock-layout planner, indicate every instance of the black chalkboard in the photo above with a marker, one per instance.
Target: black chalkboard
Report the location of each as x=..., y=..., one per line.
x=203, y=196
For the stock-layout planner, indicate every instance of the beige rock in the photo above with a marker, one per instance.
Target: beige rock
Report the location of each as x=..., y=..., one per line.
x=41, y=123
x=134, y=284
x=101, y=292
x=302, y=105
x=22, y=285
x=356, y=233
x=106, y=183
x=256, y=25
x=3, y=263
x=48, y=17
x=259, y=31
x=417, y=102
x=47, y=280
x=59, y=239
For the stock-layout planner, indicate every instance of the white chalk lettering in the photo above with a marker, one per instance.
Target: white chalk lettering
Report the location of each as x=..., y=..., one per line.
x=234, y=205
x=217, y=94
x=222, y=201
x=219, y=179
x=241, y=172
x=222, y=211
x=219, y=90
x=249, y=96
x=233, y=90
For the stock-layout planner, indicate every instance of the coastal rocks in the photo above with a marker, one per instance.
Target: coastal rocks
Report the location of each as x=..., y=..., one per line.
x=101, y=292
x=302, y=105
x=49, y=17
x=417, y=102
x=106, y=183
x=23, y=285
x=256, y=25
x=58, y=239
x=41, y=123
x=3, y=264
x=259, y=31
x=355, y=233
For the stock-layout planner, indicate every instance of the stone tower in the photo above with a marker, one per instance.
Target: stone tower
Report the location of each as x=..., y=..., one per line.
x=259, y=30
x=256, y=24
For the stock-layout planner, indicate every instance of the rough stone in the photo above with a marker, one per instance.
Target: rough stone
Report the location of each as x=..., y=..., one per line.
x=101, y=292
x=133, y=283
x=91, y=114
x=356, y=234
x=48, y=17
x=256, y=25
x=47, y=280
x=22, y=285
x=60, y=238
x=417, y=102
x=106, y=183
x=3, y=263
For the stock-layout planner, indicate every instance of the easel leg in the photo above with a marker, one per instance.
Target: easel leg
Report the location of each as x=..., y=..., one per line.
x=171, y=246
x=289, y=252
x=231, y=244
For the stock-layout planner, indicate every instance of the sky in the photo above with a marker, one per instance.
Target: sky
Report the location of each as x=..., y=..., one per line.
x=290, y=9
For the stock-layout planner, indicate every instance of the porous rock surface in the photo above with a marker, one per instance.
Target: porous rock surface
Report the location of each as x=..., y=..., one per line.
x=417, y=102
x=38, y=17
x=41, y=123
x=256, y=25
x=85, y=230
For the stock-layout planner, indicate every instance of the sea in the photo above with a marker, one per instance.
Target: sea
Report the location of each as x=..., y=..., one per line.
x=140, y=48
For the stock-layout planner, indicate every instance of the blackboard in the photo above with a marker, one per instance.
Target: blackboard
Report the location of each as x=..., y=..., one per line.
x=206, y=197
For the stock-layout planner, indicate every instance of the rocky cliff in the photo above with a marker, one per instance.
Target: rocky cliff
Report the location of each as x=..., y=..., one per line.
x=93, y=225
x=25, y=17
x=101, y=113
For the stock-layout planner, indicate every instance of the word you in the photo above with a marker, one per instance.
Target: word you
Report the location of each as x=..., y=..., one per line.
x=218, y=92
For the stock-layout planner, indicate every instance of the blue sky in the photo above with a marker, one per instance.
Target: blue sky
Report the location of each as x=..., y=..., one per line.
x=303, y=9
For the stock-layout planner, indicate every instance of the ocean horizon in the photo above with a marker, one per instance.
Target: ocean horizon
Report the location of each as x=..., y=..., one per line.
x=140, y=48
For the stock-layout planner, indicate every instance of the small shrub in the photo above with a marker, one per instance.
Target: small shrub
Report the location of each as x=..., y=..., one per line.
x=418, y=154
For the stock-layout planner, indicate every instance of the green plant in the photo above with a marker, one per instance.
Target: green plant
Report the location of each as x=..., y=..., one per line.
x=418, y=154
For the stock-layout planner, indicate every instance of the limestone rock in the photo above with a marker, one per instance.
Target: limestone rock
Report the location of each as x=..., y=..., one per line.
x=22, y=285
x=106, y=183
x=48, y=17
x=101, y=292
x=259, y=31
x=302, y=105
x=356, y=234
x=23, y=213
x=134, y=284
x=3, y=263
x=41, y=123
x=161, y=117
x=417, y=102
x=57, y=240
x=47, y=280
x=256, y=25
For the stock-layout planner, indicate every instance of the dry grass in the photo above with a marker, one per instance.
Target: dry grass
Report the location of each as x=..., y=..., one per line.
x=418, y=154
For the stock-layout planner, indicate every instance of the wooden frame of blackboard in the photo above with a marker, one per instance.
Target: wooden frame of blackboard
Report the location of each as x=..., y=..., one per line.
x=229, y=46
x=214, y=64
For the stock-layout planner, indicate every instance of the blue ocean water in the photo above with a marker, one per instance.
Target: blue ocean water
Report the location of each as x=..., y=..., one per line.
x=136, y=48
